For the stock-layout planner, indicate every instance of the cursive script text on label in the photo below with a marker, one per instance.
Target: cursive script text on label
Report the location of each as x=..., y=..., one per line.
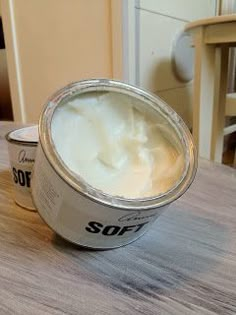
x=22, y=157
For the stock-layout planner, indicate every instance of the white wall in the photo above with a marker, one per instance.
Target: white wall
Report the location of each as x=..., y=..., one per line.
x=159, y=22
x=227, y=6
x=51, y=43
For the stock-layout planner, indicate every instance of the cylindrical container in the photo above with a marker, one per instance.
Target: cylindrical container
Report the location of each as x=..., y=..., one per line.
x=83, y=214
x=22, y=144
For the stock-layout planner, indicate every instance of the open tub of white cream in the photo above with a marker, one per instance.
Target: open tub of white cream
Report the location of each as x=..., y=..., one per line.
x=22, y=144
x=110, y=158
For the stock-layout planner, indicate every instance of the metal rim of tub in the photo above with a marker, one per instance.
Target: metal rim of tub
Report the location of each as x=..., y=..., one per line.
x=78, y=183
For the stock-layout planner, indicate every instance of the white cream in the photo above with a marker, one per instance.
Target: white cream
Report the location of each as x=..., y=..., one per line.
x=115, y=147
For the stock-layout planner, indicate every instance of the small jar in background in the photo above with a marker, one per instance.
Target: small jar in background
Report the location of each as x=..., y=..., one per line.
x=22, y=144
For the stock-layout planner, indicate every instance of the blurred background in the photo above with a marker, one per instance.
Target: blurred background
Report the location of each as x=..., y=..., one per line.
x=47, y=44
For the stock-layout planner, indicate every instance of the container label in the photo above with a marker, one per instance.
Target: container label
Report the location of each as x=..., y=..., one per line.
x=81, y=220
x=46, y=194
x=22, y=161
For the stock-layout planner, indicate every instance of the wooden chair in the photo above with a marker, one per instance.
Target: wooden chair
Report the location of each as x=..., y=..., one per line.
x=212, y=39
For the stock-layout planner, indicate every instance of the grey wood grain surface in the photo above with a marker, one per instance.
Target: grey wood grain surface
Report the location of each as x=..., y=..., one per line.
x=186, y=263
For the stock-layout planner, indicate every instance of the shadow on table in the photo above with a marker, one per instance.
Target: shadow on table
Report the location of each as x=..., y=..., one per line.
x=62, y=244
x=180, y=249
x=178, y=256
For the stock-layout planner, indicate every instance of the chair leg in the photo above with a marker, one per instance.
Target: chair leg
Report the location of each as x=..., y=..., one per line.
x=218, y=123
x=203, y=96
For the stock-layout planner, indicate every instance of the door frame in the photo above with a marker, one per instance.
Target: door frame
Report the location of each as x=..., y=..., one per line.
x=13, y=64
x=124, y=39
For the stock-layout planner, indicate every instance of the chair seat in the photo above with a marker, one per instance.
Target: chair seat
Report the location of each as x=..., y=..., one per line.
x=211, y=21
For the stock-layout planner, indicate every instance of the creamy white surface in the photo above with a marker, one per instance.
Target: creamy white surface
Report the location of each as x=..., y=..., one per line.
x=114, y=147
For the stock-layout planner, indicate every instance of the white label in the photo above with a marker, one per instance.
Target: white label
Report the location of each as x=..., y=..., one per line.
x=22, y=160
x=81, y=220
x=46, y=193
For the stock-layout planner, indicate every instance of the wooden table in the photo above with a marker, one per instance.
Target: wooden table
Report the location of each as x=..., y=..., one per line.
x=186, y=264
x=212, y=38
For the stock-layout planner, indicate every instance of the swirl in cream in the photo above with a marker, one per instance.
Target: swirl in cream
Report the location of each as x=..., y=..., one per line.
x=116, y=146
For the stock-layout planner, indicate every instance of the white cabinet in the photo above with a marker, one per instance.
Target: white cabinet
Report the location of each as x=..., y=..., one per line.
x=157, y=34
x=181, y=100
x=158, y=23
x=187, y=10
